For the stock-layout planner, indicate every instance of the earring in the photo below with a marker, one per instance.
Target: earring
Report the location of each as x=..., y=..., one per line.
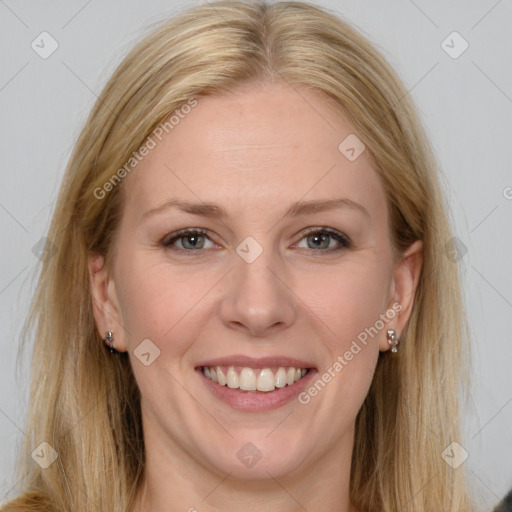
x=392, y=340
x=109, y=338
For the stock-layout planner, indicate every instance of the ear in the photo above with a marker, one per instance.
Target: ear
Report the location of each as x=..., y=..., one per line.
x=405, y=280
x=105, y=305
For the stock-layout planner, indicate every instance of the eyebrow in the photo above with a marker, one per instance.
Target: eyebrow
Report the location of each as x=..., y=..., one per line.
x=207, y=209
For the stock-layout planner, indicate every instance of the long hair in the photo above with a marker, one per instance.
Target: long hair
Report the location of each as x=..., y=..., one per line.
x=85, y=403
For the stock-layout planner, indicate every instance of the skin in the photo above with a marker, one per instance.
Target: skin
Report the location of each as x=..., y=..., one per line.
x=254, y=152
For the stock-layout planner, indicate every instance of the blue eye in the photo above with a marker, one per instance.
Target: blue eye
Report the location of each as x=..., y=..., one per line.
x=321, y=238
x=317, y=240
x=192, y=239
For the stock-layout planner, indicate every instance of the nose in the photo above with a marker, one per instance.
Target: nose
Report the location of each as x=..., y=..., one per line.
x=257, y=299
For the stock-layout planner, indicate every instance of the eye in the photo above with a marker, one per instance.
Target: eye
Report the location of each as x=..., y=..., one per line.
x=191, y=239
x=317, y=239
x=323, y=238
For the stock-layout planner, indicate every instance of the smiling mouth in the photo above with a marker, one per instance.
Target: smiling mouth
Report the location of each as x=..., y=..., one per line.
x=254, y=379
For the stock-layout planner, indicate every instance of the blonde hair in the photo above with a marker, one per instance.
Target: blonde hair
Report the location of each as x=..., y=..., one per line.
x=86, y=404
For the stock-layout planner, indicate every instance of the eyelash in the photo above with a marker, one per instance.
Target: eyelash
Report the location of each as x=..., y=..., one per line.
x=341, y=238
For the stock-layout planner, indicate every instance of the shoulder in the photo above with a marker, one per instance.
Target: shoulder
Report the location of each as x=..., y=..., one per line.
x=505, y=505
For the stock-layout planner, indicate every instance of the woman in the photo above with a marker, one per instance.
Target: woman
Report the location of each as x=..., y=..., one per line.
x=251, y=302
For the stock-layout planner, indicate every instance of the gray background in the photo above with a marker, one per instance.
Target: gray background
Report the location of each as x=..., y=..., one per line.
x=465, y=103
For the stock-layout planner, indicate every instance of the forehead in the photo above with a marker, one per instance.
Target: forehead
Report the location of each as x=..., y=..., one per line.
x=257, y=148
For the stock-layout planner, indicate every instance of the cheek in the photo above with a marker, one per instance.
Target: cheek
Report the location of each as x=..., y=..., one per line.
x=352, y=309
x=348, y=303
x=158, y=302
x=347, y=299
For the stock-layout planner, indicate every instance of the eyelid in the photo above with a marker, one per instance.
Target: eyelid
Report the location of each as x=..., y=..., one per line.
x=169, y=239
x=340, y=237
x=344, y=240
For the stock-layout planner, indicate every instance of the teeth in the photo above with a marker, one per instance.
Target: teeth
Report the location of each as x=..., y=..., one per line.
x=250, y=379
x=281, y=378
x=266, y=380
x=221, y=377
x=232, y=378
x=247, y=379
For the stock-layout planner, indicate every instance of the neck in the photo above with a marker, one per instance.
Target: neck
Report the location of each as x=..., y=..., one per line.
x=230, y=495
x=174, y=481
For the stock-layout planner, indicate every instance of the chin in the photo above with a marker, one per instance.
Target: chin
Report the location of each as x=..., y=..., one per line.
x=259, y=459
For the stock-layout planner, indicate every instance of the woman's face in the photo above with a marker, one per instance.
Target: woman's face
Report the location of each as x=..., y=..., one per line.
x=293, y=268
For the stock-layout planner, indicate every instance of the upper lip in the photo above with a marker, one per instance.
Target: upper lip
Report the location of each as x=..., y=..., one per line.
x=257, y=362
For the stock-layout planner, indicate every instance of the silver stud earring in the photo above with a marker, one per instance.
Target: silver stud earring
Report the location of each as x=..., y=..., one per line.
x=109, y=338
x=392, y=340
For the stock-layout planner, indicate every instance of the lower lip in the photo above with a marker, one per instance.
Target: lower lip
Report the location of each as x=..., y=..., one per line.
x=259, y=400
